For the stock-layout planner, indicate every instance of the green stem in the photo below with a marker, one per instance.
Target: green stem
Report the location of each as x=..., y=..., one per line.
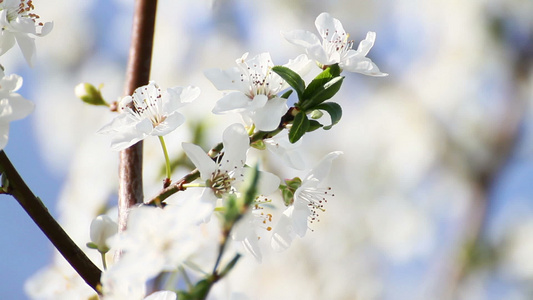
x=102, y=254
x=167, y=160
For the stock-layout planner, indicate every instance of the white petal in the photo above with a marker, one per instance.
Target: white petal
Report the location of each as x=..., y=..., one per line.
x=301, y=38
x=325, y=21
x=301, y=64
x=162, y=295
x=7, y=41
x=4, y=134
x=236, y=143
x=179, y=96
x=300, y=215
x=172, y=122
x=46, y=28
x=283, y=232
x=362, y=65
x=258, y=102
x=268, y=183
x=321, y=170
x=27, y=46
x=269, y=117
x=200, y=159
x=234, y=101
x=227, y=80
x=367, y=44
x=20, y=107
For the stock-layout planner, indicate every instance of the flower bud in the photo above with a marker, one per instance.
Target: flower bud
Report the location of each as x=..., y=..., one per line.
x=89, y=94
x=102, y=228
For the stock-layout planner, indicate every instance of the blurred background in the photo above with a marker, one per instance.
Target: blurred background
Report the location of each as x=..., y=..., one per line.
x=433, y=195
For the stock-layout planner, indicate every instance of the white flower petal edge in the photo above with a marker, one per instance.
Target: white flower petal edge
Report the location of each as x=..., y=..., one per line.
x=256, y=87
x=12, y=105
x=148, y=112
x=335, y=47
x=309, y=200
x=162, y=295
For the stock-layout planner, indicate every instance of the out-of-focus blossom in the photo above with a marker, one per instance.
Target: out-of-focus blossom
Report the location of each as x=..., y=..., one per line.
x=309, y=200
x=18, y=22
x=156, y=240
x=153, y=113
x=335, y=47
x=247, y=230
x=256, y=88
x=57, y=282
x=12, y=105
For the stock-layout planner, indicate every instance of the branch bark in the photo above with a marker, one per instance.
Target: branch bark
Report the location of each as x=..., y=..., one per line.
x=138, y=74
x=49, y=226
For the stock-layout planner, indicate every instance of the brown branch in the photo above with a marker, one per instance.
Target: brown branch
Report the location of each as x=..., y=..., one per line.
x=138, y=74
x=49, y=226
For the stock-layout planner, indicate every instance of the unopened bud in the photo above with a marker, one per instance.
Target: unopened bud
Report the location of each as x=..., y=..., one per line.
x=102, y=228
x=89, y=94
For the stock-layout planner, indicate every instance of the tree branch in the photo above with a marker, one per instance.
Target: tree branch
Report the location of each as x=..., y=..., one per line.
x=138, y=73
x=49, y=226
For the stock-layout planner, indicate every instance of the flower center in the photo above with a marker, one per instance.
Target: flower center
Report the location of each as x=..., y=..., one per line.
x=259, y=76
x=336, y=42
x=148, y=105
x=23, y=9
x=220, y=183
x=316, y=198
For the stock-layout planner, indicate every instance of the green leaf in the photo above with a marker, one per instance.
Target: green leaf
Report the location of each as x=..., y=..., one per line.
x=321, y=79
x=334, y=110
x=314, y=125
x=327, y=91
x=287, y=94
x=292, y=78
x=299, y=127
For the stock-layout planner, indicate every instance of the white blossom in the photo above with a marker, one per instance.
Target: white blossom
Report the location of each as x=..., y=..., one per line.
x=12, y=105
x=335, y=47
x=18, y=23
x=309, y=200
x=256, y=89
x=153, y=113
x=225, y=175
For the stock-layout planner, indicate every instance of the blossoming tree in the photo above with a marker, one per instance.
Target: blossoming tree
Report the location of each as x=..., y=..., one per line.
x=178, y=243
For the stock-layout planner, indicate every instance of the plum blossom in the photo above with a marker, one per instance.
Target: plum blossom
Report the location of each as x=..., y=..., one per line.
x=308, y=202
x=12, y=105
x=153, y=113
x=335, y=47
x=225, y=175
x=156, y=240
x=18, y=22
x=248, y=230
x=255, y=88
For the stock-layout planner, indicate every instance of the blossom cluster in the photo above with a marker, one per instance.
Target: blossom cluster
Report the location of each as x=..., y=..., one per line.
x=228, y=206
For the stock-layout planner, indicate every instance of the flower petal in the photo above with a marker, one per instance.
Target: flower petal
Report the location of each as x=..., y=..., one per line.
x=302, y=38
x=236, y=143
x=232, y=102
x=200, y=159
x=172, y=122
x=269, y=117
x=27, y=46
x=321, y=170
x=226, y=80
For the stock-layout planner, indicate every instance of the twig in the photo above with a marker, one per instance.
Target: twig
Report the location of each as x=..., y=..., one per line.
x=49, y=226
